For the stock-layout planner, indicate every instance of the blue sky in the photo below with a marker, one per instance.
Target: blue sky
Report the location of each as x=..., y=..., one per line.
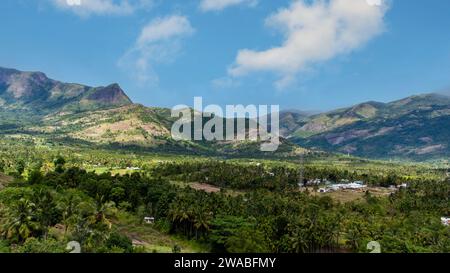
x=308, y=55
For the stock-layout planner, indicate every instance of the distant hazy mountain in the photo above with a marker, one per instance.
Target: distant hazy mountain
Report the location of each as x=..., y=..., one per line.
x=414, y=127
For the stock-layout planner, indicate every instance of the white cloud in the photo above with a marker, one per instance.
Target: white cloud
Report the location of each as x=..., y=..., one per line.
x=314, y=32
x=102, y=7
x=165, y=29
x=159, y=42
x=217, y=5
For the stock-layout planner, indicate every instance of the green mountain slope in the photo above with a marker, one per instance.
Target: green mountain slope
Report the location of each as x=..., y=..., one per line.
x=414, y=127
x=34, y=105
x=34, y=93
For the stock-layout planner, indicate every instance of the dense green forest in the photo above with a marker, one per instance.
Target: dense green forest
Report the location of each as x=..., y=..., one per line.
x=54, y=199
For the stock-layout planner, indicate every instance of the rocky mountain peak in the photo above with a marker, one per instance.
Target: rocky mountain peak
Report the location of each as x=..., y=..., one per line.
x=111, y=94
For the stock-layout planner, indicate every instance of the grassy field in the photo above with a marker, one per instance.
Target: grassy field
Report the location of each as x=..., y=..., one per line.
x=345, y=196
x=152, y=240
x=206, y=188
x=113, y=171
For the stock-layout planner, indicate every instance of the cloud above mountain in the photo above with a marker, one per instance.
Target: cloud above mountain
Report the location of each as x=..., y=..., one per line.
x=160, y=41
x=313, y=32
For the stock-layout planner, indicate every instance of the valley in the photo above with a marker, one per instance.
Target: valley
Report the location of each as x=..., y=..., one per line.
x=86, y=164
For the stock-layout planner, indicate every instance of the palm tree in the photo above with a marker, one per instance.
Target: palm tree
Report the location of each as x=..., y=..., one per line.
x=91, y=225
x=20, y=222
x=202, y=221
x=45, y=208
x=101, y=210
x=70, y=206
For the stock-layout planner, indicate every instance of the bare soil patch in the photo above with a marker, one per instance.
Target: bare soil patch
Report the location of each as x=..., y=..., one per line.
x=204, y=187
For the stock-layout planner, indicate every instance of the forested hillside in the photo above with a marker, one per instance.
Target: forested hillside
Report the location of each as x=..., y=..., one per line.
x=45, y=211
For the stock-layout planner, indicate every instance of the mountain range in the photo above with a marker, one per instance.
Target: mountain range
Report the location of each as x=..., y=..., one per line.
x=414, y=127
x=33, y=104
x=417, y=127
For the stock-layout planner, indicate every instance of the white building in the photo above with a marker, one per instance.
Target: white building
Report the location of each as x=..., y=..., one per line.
x=349, y=186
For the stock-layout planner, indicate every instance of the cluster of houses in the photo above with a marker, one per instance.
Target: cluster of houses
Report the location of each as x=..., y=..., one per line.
x=357, y=185
x=314, y=182
x=344, y=184
x=332, y=186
